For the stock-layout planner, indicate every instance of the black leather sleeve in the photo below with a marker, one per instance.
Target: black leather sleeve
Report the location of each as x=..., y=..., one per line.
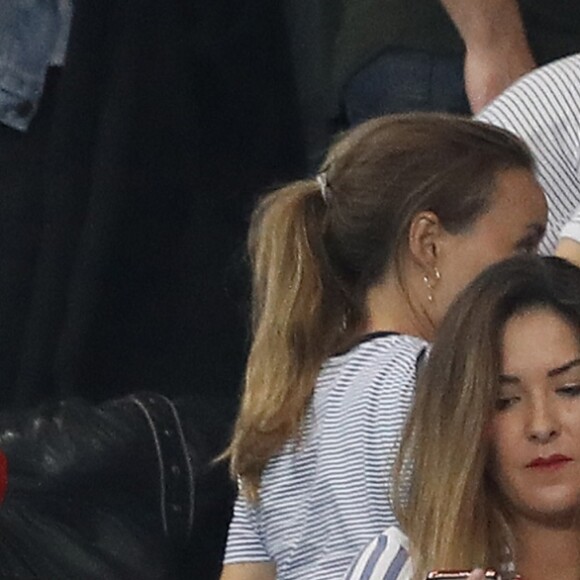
x=98, y=491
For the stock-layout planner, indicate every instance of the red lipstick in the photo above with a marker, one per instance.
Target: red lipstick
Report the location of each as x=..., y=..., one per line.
x=553, y=461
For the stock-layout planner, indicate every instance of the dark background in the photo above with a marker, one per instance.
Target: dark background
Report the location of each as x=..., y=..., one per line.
x=125, y=206
x=124, y=211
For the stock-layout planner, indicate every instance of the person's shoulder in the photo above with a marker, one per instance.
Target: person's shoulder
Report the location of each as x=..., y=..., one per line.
x=379, y=350
x=381, y=366
x=568, y=65
x=552, y=89
x=385, y=557
x=395, y=356
x=549, y=76
x=405, y=351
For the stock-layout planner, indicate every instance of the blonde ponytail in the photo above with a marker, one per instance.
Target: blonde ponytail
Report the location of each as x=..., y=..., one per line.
x=298, y=313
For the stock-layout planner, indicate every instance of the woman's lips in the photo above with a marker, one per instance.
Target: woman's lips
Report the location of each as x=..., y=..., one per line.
x=551, y=462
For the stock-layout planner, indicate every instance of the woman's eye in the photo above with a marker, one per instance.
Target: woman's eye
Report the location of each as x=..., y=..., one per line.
x=570, y=390
x=504, y=403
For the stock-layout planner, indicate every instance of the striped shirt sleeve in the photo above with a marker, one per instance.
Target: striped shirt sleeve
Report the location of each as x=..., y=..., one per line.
x=385, y=558
x=543, y=108
x=244, y=542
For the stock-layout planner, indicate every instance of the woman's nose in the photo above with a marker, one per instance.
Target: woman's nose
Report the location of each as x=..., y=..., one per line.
x=543, y=422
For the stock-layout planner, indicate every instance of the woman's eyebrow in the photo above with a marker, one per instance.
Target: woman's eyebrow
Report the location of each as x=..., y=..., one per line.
x=564, y=368
x=508, y=380
x=514, y=380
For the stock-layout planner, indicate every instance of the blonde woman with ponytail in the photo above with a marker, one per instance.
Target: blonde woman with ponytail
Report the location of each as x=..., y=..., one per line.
x=352, y=272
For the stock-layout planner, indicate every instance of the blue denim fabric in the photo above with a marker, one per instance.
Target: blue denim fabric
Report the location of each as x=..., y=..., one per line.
x=402, y=80
x=33, y=35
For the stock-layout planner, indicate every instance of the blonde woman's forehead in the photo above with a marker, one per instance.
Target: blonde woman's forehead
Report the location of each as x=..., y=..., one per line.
x=517, y=191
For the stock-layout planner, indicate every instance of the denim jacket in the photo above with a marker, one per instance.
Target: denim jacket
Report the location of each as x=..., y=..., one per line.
x=33, y=36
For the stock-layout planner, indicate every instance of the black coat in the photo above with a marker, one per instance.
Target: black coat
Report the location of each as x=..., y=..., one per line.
x=123, y=209
x=119, y=491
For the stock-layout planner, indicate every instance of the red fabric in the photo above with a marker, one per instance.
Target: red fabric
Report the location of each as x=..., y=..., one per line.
x=3, y=476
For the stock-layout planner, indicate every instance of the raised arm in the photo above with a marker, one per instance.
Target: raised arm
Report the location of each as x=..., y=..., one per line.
x=497, y=50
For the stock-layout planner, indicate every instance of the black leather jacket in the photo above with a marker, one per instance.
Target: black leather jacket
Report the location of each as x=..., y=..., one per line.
x=113, y=491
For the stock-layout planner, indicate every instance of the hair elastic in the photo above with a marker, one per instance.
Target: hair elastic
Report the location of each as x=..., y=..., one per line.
x=322, y=181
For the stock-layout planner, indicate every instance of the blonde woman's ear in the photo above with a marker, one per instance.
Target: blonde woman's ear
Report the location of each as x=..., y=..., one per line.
x=424, y=236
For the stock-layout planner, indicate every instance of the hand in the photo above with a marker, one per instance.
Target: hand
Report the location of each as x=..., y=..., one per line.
x=476, y=574
x=488, y=72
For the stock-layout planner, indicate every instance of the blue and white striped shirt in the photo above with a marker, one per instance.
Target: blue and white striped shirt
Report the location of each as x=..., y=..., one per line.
x=543, y=109
x=385, y=558
x=323, y=499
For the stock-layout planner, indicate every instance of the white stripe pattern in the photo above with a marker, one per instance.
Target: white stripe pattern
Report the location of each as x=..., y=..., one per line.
x=543, y=108
x=324, y=498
